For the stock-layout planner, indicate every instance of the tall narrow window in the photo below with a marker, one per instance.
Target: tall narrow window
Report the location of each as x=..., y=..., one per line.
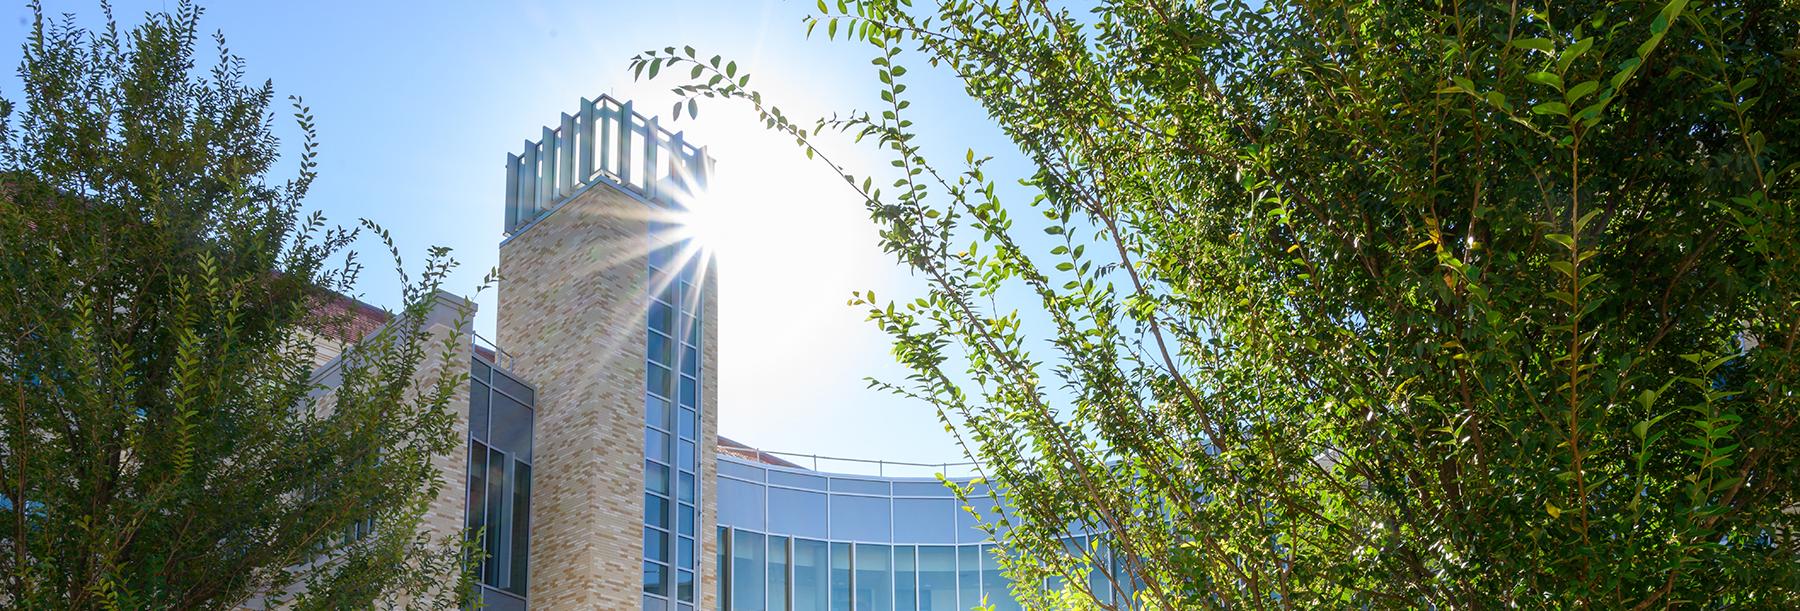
x=498, y=497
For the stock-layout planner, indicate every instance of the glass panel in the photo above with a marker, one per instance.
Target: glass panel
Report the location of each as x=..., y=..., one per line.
x=684, y=586
x=994, y=584
x=796, y=480
x=496, y=517
x=689, y=424
x=684, y=554
x=778, y=567
x=656, y=445
x=740, y=470
x=517, y=389
x=740, y=504
x=521, y=528
x=478, y=410
x=688, y=459
x=689, y=392
x=937, y=578
x=860, y=518
x=511, y=427
x=687, y=488
x=656, y=478
x=1127, y=581
x=874, y=585
x=1097, y=581
x=476, y=513
x=968, y=529
x=661, y=318
x=686, y=515
x=656, y=545
x=922, y=489
x=925, y=520
x=968, y=576
x=656, y=412
x=656, y=511
x=658, y=380
x=656, y=579
x=659, y=257
x=690, y=361
x=655, y=604
x=860, y=486
x=810, y=591
x=903, y=578
x=693, y=330
x=840, y=577
x=793, y=512
x=659, y=349
x=747, y=561
x=478, y=369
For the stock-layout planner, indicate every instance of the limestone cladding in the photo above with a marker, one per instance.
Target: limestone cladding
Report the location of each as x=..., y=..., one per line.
x=571, y=310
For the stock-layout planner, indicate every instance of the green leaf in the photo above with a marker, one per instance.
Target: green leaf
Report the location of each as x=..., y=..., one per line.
x=1574, y=51
x=1564, y=240
x=731, y=70
x=1551, y=108
x=1581, y=91
x=1536, y=44
x=1546, y=78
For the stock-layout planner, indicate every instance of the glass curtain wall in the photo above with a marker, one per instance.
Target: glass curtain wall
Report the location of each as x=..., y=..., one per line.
x=501, y=414
x=671, y=427
x=827, y=542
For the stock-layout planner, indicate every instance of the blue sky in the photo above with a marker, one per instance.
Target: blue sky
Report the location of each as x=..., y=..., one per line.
x=417, y=104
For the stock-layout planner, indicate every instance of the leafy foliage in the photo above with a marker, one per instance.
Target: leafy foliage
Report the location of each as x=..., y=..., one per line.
x=165, y=442
x=1362, y=305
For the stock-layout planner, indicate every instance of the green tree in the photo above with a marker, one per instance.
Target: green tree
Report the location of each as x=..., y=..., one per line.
x=1436, y=305
x=165, y=442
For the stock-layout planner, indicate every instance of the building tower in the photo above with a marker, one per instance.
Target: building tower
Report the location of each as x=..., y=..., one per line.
x=607, y=309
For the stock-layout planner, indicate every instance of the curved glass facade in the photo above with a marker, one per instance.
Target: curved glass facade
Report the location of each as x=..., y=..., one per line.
x=796, y=540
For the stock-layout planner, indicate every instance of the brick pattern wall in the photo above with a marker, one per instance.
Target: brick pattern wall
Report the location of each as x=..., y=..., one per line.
x=571, y=310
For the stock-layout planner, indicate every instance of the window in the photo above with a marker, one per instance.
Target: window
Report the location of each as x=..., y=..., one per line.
x=498, y=497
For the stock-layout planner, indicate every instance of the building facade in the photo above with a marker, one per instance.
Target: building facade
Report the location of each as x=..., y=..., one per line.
x=595, y=472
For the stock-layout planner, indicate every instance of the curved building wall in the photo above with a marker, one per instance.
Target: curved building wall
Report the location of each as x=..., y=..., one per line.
x=797, y=540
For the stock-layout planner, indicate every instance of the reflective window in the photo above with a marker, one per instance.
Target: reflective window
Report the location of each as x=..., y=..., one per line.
x=925, y=520
x=741, y=504
x=874, y=585
x=811, y=589
x=968, y=529
x=498, y=493
x=840, y=577
x=478, y=410
x=747, y=560
x=995, y=584
x=860, y=518
x=740, y=470
x=656, y=580
x=859, y=486
x=923, y=489
x=796, y=480
x=778, y=570
x=968, y=576
x=794, y=512
x=656, y=478
x=904, y=586
x=937, y=578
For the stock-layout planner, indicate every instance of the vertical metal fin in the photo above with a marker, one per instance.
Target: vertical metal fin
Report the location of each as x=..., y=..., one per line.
x=702, y=169
x=652, y=136
x=547, y=160
x=588, y=133
x=565, y=156
x=626, y=118
x=512, y=193
x=678, y=171
x=528, y=184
